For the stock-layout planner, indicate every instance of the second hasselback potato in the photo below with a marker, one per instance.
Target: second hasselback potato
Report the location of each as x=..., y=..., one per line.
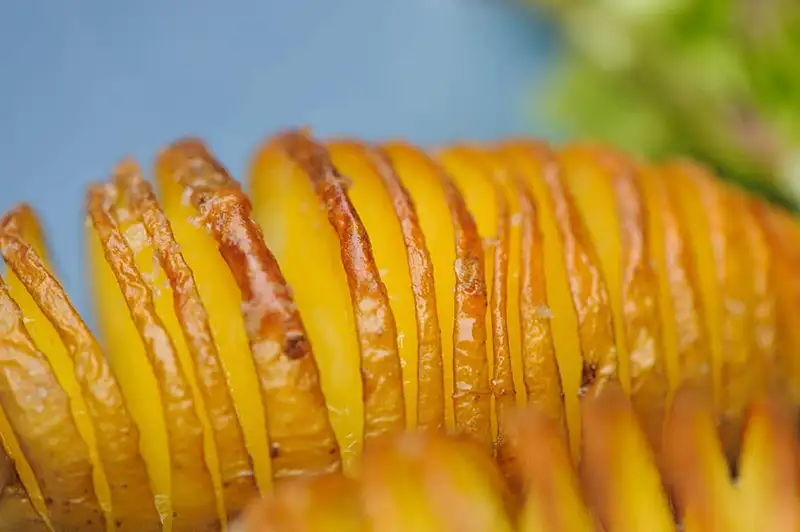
x=357, y=293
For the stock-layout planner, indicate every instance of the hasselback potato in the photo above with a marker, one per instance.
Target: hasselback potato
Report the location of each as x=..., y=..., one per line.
x=506, y=336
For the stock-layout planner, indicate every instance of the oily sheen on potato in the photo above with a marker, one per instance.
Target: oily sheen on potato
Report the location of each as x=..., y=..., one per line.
x=360, y=336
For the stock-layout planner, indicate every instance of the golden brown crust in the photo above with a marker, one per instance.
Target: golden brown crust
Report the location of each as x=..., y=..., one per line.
x=117, y=435
x=384, y=408
x=39, y=412
x=193, y=499
x=297, y=419
x=17, y=513
x=430, y=400
x=541, y=376
x=471, y=390
x=238, y=480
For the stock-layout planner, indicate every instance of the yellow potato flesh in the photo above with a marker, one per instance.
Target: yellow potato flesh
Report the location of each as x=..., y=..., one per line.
x=129, y=362
x=163, y=299
x=220, y=295
x=419, y=175
x=374, y=207
x=297, y=231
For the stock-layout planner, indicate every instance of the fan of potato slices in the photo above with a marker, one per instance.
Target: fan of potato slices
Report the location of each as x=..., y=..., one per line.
x=506, y=336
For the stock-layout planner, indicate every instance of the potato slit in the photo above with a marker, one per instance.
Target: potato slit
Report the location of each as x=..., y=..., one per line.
x=117, y=437
x=193, y=496
x=238, y=479
x=430, y=398
x=39, y=413
x=302, y=440
x=384, y=408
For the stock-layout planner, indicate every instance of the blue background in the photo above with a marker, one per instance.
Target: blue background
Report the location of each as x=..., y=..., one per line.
x=86, y=82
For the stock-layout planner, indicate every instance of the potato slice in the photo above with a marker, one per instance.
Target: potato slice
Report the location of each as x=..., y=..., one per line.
x=696, y=472
x=604, y=186
x=470, y=363
x=552, y=493
x=236, y=468
x=373, y=204
x=621, y=478
x=420, y=177
x=768, y=488
x=782, y=235
x=581, y=318
x=222, y=300
x=152, y=376
x=318, y=503
x=430, y=406
x=683, y=327
x=728, y=274
x=424, y=482
x=18, y=513
x=302, y=440
x=38, y=411
x=119, y=469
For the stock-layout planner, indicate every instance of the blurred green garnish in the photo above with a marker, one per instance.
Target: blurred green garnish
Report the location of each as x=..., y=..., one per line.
x=715, y=79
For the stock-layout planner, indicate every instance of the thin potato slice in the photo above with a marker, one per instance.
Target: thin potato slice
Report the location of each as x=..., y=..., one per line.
x=421, y=178
x=576, y=293
x=727, y=273
x=373, y=204
x=696, y=470
x=425, y=482
x=621, y=477
x=237, y=476
x=116, y=437
x=222, y=300
x=604, y=186
x=782, y=235
x=384, y=409
x=38, y=411
x=194, y=503
x=316, y=503
x=552, y=495
x=683, y=327
x=768, y=488
x=474, y=172
x=301, y=437
x=430, y=390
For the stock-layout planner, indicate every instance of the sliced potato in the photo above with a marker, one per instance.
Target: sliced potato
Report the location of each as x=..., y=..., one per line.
x=683, y=326
x=120, y=474
x=421, y=178
x=151, y=374
x=430, y=406
x=425, y=482
x=373, y=204
x=191, y=318
x=578, y=300
x=302, y=440
x=604, y=186
x=38, y=412
x=620, y=473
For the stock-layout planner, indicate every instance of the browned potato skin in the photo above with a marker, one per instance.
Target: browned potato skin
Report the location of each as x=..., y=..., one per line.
x=238, y=479
x=193, y=497
x=377, y=333
x=117, y=435
x=297, y=419
x=430, y=399
x=17, y=511
x=38, y=410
